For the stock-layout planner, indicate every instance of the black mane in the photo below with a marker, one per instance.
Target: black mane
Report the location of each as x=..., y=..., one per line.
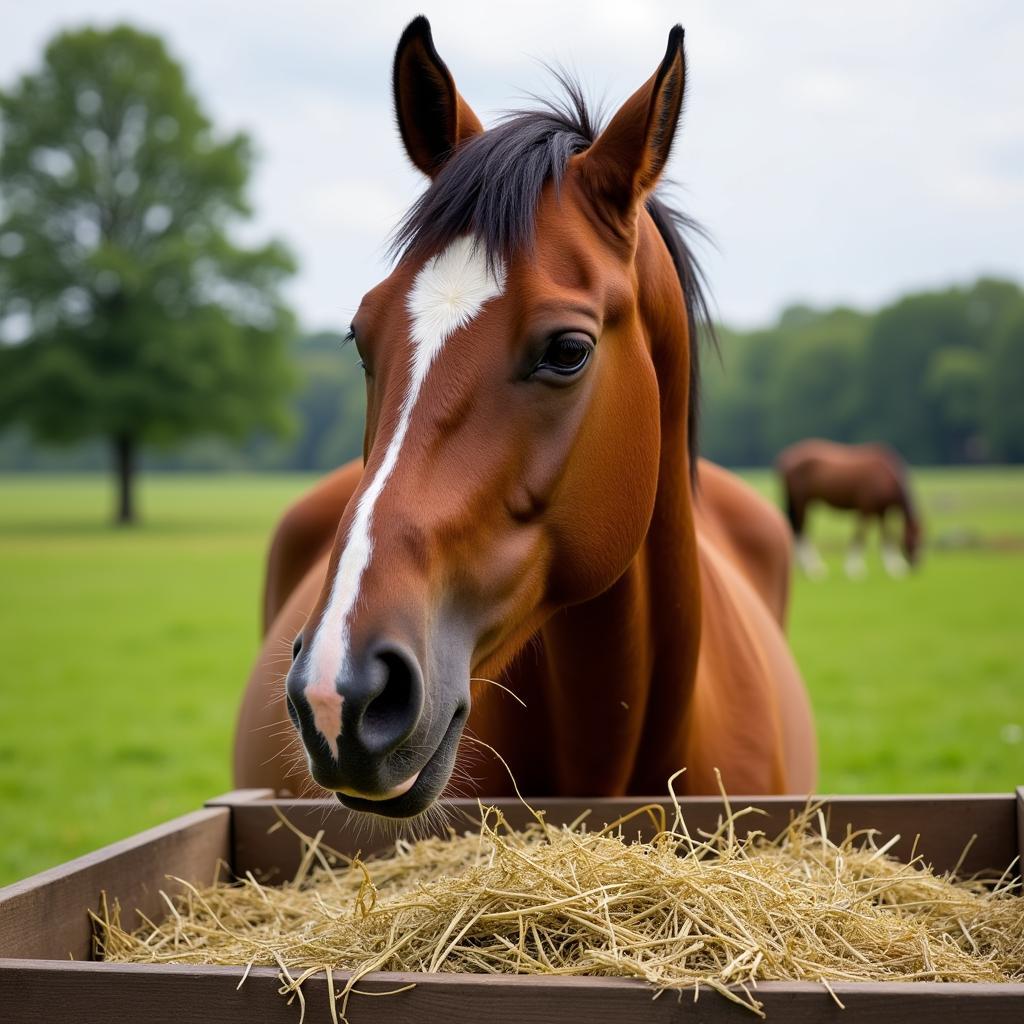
x=490, y=187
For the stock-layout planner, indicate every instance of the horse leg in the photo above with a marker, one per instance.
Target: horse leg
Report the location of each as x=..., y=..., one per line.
x=807, y=556
x=892, y=558
x=856, y=567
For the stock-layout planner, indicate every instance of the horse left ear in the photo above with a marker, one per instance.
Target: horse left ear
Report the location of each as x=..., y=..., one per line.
x=432, y=117
x=626, y=160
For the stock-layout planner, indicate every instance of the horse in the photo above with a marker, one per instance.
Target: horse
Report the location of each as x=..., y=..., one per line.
x=869, y=479
x=530, y=579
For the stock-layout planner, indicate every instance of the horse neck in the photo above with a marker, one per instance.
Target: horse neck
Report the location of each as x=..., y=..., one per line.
x=621, y=667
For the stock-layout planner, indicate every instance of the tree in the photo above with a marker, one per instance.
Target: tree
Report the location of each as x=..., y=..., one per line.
x=954, y=385
x=817, y=387
x=1004, y=388
x=730, y=429
x=127, y=310
x=900, y=343
x=330, y=404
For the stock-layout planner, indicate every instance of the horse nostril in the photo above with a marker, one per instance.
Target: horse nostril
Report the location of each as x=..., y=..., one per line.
x=394, y=700
x=296, y=646
x=383, y=705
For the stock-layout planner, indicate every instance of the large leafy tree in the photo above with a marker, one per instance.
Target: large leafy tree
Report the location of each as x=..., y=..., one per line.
x=127, y=308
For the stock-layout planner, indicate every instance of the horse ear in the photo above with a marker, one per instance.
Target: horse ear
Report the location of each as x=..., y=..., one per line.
x=432, y=117
x=626, y=160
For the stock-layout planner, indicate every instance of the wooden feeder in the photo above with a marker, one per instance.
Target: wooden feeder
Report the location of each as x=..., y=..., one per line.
x=46, y=970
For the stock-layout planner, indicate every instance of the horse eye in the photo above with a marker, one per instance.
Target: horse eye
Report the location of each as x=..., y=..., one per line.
x=350, y=339
x=566, y=354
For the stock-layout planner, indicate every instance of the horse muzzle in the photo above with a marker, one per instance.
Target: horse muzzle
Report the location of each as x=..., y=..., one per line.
x=372, y=737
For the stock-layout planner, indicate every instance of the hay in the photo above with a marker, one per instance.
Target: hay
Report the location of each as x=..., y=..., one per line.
x=677, y=912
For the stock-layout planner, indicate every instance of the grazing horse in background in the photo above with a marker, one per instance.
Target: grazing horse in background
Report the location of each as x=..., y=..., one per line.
x=530, y=560
x=869, y=479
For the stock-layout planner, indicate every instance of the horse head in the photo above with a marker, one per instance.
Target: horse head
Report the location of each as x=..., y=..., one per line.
x=515, y=409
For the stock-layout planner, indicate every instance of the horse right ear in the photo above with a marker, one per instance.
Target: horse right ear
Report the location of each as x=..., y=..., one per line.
x=432, y=117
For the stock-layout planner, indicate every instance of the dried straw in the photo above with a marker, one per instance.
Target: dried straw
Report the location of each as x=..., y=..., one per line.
x=679, y=911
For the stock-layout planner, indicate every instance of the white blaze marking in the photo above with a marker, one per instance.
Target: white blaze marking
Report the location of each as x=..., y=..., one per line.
x=449, y=291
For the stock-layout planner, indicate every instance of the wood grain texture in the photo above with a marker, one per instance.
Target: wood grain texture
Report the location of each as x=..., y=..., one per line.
x=945, y=824
x=1020, y=831
x=46, y=916
x=118, y=994
x=240, y=796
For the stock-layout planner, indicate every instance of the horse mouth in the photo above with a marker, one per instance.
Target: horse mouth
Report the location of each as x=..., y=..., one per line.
x=428, y=783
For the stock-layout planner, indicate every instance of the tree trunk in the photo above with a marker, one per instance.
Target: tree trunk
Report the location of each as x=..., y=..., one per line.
x=124, y=469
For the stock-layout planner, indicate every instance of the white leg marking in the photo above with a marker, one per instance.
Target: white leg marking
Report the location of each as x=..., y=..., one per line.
x=893, y=560
x=809, y=559
x=449, y=291
x=856, y=567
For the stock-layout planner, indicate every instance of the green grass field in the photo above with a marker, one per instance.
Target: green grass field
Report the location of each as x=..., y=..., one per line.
x=125, y=652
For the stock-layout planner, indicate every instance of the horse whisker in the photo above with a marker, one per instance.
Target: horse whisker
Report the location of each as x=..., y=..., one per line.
x=500, y=686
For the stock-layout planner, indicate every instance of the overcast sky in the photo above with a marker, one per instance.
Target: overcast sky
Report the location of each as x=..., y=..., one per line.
x=836, y=152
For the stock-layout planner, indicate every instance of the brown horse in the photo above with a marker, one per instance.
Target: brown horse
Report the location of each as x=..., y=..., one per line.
x=529, y=546
x=869, y=479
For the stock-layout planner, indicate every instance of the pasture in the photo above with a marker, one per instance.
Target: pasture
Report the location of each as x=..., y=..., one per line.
x=125, y=652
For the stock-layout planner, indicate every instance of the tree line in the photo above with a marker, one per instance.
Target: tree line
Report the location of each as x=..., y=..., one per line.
x=939, y=375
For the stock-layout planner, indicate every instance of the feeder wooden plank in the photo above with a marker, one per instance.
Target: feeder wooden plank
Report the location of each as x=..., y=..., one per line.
x=120, y=994
x=46, y=915
x=944, y=823
x=240, y=796
x=1020, y=830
